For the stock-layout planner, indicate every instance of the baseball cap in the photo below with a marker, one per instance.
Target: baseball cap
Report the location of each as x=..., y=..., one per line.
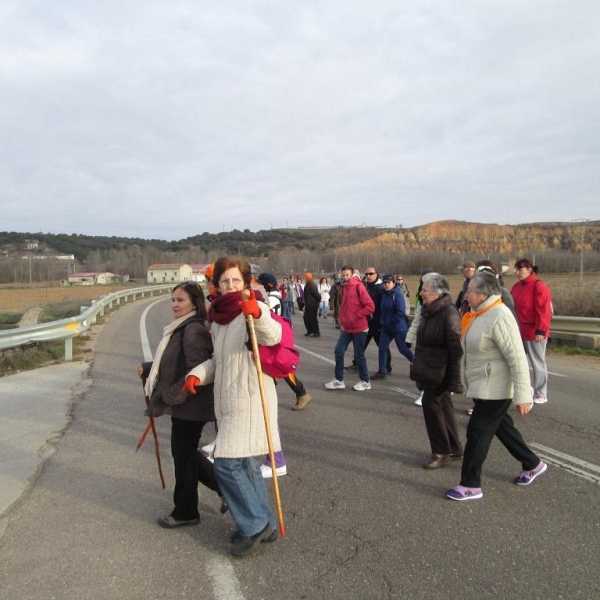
x=387, y=277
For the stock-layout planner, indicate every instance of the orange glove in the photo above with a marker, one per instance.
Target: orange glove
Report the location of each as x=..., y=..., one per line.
x=250, y=306
x=190, y=385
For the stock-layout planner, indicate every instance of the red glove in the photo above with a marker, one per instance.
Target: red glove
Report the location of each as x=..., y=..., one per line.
x=190, y=385
x=250, y=306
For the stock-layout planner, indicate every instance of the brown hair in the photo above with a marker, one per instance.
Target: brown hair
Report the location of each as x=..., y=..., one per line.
x=525, y=262
x=194, y=291
x=229, y=262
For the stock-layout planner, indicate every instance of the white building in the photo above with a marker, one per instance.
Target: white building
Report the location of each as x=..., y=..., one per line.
x=169, y=273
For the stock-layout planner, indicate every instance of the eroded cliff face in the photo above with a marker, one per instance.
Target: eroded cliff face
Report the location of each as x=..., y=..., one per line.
x=481, y=239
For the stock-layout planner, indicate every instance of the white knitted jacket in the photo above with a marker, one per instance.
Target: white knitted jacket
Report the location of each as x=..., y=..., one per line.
x=238, y=408
x=494, y=363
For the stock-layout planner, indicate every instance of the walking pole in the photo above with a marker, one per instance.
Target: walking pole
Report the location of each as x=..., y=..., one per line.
x=265, y=407
x=151, y=427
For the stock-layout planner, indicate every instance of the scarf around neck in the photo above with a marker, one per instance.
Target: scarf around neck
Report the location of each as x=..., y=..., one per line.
x=469, y=317
x=224, y=309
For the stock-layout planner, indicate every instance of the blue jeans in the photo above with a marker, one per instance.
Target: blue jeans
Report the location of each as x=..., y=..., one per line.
x=385, y=338
x=243, y=488
x=358, y=340
x=324, y=308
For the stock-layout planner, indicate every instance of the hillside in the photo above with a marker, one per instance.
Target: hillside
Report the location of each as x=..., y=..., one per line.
x=482, y=239
x=442, y=243
x=440, y=236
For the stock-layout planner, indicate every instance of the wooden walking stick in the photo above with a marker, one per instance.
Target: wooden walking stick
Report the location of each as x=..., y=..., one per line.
x=152, y=427
x=265, y=408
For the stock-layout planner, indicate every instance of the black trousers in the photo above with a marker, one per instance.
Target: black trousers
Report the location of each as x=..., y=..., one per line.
x=490, y=418
x=295, y=384
x=311, y=320
x=191, y=466
x=440, y=422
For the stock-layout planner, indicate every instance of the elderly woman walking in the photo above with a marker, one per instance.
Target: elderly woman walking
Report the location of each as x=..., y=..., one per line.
x=241, y=439
x=495, y=372
x=436, y=368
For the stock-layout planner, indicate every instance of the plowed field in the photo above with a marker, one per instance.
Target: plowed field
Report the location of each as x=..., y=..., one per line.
x=22, y=298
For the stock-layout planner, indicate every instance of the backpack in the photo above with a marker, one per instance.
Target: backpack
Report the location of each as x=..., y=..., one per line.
x=282, y=359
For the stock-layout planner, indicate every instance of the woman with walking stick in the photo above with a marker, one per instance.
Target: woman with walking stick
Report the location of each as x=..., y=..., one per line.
x=186, y=341
x=242, y=439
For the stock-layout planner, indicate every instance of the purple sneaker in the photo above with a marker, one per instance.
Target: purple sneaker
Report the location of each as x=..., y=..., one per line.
x=460, y=493
x=527, y=477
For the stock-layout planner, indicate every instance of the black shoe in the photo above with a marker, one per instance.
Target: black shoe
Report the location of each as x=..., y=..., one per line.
x=236, y=537
x=246, y=545
x=307, y=334
x=351, y=367
x=315, y=335
x=224, y=507
x=378, y=375
x=171, y=523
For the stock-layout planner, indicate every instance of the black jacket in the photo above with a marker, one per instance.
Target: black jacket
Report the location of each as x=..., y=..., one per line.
x=190, y=345
x=438, y=351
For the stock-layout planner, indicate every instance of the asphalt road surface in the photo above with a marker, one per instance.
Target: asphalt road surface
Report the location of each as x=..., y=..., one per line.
x=364, y=519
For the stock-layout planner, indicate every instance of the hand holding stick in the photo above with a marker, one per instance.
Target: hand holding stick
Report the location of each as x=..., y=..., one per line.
x=248, y=296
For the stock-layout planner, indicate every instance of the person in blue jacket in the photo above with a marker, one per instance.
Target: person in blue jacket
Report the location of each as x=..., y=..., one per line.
x=394, y=324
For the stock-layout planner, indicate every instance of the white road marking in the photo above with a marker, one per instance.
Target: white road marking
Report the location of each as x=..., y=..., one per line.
x=563, y=460
x=146, y=352
x=406, y=393
x=220, y=570
x=556, y=374
x=223, y=579
x=319, y=356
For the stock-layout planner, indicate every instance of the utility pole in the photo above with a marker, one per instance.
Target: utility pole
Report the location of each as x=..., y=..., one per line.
x=581, y=254
x=583, y=222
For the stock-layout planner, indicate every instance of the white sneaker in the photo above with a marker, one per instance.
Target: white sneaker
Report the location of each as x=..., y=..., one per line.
x=419, y=400
x=335, y=384
x=540, y=400
x=362, y=385
x=267, y=472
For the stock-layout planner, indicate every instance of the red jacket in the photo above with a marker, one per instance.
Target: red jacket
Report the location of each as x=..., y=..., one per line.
x=533, y=303
x=356, y=306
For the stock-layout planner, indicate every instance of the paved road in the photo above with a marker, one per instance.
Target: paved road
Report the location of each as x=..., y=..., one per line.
x=364, y=519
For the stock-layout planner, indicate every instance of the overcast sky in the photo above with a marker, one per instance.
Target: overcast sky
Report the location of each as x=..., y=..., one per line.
x=165, y=119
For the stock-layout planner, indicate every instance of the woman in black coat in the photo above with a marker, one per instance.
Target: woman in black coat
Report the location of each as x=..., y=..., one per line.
x=186, y=342
x=436, y=368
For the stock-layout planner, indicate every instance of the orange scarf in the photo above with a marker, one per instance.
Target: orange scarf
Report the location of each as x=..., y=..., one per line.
x=467, y=318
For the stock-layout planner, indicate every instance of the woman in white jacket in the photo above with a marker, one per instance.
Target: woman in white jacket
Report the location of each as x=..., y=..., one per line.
x=241, y=438
x=494, y=372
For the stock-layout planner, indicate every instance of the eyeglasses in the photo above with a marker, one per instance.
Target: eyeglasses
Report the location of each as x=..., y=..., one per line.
x=399, y=279
x=231, y=282
x=370, y=273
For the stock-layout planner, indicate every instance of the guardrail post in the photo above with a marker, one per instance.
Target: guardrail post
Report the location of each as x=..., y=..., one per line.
x=68, y=349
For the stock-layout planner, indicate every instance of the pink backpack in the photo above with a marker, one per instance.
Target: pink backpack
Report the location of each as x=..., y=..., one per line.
x=282, y=359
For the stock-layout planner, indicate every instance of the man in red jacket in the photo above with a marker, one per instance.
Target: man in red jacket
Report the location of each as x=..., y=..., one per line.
x=356, y=307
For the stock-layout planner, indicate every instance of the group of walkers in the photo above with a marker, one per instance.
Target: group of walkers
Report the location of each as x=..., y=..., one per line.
x=204, y=372
x=476, y=346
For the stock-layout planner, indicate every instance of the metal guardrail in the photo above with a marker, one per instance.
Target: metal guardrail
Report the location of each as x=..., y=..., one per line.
x=67, y=329
x=576, y=325
x=583, y=331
